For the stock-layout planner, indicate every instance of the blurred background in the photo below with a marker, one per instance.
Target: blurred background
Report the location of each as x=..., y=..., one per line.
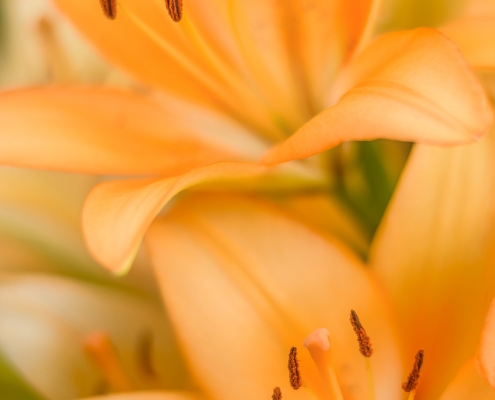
x=68, y=329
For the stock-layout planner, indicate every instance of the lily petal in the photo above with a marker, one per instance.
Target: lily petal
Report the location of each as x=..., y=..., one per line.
x=486, y=351
x=434, y=250
x=95, y=130
x=329, y=215
x=117, y=214
x=411, y=86
x=475, y=37
x=174, y=57
x=468, y=384
x=148, y=396
x=254, y=283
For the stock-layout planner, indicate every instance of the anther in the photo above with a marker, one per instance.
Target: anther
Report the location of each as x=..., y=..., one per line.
x=277, y=394
x=109, y=8
x=413, y=378
x=363, y=339
x=174, y=8
x=294, y=375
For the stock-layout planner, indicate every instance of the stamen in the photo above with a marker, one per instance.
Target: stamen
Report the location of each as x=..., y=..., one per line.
x=318, y=346
x=59, y=68
x=294, y=375
x=277, y=394
x=363, y=339
x=413, y=378
x=369, y=378
x=109, y=8
x=99, y=347
x=174, y=8
x=365, y=349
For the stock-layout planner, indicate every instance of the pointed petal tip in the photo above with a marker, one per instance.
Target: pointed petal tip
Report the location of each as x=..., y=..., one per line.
x=409, y=86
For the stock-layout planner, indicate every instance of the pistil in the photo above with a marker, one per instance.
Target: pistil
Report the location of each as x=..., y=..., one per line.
x=99, y=347
x=318, y=346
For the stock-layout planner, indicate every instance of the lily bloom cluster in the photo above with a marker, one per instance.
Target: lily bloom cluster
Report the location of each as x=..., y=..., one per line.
x=238, y=106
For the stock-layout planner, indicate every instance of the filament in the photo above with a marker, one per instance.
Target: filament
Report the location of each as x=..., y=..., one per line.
x=172, y=51
x=99, y=347
x=368, y=28
x=369, y=378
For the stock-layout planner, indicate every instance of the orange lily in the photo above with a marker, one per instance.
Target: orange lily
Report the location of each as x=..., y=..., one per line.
x=230, y=80
x=244, y=281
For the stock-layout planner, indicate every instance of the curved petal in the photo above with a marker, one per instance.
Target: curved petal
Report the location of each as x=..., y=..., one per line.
x=275, y=57
x=434, y=252
x=173, y=57
x=486, y=351
x=148, y=396
x=411, y=86
x=468, y=384
x=94, y=130
x=244, y=282
x=117, y=213
x=475, y=37
x=45, y=320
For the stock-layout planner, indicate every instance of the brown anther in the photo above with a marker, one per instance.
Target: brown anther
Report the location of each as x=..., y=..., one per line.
x=413, y=378
x=294, y=375
x=363, y=339
x=277, y=394
x=174, y=8
x=109, y=8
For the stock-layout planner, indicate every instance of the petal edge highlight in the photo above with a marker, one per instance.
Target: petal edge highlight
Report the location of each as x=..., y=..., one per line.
x=410, y=85
x=97, y=130
x=117, y=214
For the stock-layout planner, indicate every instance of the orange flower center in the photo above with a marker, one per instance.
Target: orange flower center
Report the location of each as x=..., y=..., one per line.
x=318, y=345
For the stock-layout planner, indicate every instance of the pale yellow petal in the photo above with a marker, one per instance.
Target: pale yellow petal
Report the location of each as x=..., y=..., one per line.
x=434, y=253
x=244, y=282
